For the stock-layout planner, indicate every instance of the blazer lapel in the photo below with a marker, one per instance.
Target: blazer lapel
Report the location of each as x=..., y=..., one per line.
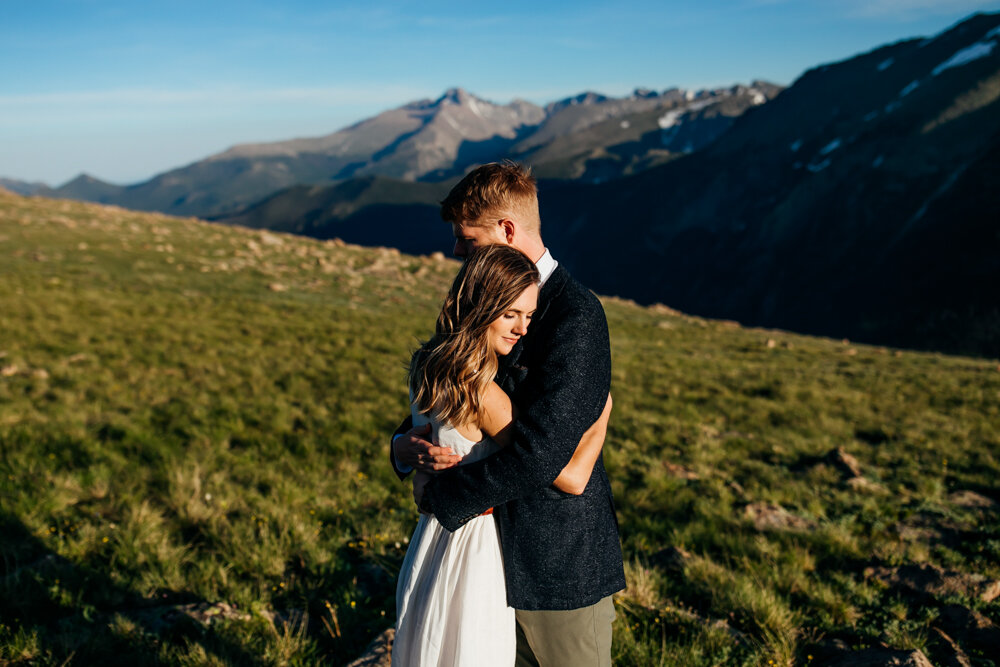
x=552, y=287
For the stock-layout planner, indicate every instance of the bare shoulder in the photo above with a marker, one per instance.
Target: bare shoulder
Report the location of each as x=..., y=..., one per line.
x=497, y=411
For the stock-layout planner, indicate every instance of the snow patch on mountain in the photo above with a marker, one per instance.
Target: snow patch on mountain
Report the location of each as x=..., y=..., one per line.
x=830, y=147
x=818, y=167
x=670, y=119
x=796, y=145
x=965, y=56
x=886, y=64
x=909, y=89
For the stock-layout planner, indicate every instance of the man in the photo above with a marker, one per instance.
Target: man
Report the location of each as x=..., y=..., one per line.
x=562, y=556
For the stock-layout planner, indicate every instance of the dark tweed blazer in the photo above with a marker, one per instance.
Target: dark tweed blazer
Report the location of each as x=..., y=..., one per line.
x=560, y=551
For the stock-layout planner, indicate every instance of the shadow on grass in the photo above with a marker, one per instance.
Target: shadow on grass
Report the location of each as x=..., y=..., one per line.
x=57, y=611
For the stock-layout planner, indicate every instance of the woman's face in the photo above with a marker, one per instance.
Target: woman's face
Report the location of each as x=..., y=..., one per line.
x=507, y=329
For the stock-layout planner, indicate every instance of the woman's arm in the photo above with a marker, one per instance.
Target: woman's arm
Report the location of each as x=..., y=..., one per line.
x=574, y=477
x=498, y=414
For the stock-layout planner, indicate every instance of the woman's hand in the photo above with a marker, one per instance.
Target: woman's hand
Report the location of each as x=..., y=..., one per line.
x=412, y=449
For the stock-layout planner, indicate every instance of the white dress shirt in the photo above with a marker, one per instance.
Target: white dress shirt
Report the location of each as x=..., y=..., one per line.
x=545, y=265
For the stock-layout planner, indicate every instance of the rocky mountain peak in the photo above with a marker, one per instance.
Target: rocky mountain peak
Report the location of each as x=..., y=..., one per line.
x=83, y=179
x=457, y=96
x=583, y=99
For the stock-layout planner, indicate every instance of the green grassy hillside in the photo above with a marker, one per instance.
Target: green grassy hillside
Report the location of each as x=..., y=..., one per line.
x=193, y=429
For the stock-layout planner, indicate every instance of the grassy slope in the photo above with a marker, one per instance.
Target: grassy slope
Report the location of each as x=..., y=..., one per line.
x=190, y=413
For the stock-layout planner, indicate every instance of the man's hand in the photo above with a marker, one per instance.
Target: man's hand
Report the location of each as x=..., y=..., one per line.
x=420, y=480
x=414, y=450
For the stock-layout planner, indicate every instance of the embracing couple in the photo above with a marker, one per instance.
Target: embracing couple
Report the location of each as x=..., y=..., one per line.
x=516, y=554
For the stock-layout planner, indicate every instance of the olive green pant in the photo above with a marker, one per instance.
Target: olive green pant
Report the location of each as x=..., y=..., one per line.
x=573, y=638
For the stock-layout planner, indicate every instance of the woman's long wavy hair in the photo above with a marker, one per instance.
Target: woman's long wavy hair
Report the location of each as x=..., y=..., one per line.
x=449, y=374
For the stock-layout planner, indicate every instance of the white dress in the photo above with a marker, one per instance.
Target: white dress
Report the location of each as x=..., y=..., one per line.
x=451, y=601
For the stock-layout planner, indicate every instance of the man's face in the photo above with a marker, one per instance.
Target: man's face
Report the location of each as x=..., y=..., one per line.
x=469, y=237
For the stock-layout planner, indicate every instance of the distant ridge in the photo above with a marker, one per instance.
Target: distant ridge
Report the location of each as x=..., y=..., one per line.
x=21, y=187
x=86, y=188
x=430, y=140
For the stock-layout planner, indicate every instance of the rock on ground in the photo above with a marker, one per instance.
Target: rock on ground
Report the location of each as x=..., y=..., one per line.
x=970, y=628
x=972, y=500
x=379, y=652
x=930, y=580
x=952, y=654
x=161, y=617
x=672, y=559
x=874, y=657
x=768, y=516
x=845, y=464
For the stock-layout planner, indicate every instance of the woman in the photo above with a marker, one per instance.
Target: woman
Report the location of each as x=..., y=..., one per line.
x=451, y=602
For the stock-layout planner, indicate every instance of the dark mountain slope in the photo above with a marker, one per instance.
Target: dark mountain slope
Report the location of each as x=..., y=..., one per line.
x=844, y=207
x=368, y=211
x=85, y=188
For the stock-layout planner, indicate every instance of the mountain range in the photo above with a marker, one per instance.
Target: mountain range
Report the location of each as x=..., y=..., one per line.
x=862, y=202
x=859, y=202
x=22, y=187
x=588, y=136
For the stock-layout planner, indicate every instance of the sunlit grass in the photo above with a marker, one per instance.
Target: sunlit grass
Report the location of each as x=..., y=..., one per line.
x=190, y=413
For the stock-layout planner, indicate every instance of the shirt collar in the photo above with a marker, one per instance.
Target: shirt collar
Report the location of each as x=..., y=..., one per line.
x=545, y=265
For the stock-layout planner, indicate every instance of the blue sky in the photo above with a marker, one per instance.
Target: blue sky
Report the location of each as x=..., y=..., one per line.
x=123, y=90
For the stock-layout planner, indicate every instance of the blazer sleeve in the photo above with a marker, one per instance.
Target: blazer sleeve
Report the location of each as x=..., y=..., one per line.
x=403, y=428
x=562, y=396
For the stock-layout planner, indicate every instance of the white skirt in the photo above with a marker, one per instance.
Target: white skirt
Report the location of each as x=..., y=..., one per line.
x=451, y=601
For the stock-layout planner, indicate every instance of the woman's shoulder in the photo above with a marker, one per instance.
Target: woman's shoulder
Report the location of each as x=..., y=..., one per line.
x=496, y=410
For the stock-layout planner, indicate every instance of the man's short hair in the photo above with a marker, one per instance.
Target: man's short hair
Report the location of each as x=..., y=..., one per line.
x=496, y=188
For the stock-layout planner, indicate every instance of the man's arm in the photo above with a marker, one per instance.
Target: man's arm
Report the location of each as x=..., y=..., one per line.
x=401, y=470
x=560, y=399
